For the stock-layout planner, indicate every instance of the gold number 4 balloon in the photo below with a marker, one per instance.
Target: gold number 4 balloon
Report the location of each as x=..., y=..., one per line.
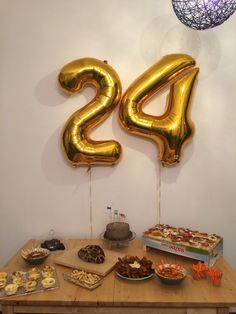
x=78, y=147
x=172, y=130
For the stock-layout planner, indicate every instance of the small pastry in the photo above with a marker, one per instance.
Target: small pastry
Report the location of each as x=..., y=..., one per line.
x=33, y=276
x=34, y=270
x=3, y=282
x=47, y=274
x=19, y=281
x=3, y=274
x=17, y=273
x=48, y=271
x=30, y=285
x=48, y=282
x=11, y=289
x=48, y=268
x=212, y=238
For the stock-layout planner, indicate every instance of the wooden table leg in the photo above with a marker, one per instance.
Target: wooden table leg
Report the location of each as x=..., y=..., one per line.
x=7, y=309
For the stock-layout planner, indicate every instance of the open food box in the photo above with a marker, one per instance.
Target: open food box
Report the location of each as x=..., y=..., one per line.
x=185, y=242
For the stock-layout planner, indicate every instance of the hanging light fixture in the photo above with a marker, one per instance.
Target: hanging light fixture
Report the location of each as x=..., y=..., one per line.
x=203, y=14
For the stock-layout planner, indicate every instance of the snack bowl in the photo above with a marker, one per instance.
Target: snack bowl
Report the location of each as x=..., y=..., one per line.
x=35, y=256
x=170, y=274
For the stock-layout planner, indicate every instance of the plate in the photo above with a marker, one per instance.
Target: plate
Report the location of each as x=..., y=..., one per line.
x=135, y=279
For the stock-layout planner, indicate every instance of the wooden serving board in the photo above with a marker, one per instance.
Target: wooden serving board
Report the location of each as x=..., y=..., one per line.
x=70, y=259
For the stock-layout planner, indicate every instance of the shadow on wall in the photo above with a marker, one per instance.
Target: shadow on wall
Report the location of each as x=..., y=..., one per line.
x=58, y=171
x=164, y=36
x=47, y=91
x=55, y=167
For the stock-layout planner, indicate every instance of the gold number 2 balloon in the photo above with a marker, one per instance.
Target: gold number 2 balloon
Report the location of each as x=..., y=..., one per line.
x=78, y=147
x=172, y=130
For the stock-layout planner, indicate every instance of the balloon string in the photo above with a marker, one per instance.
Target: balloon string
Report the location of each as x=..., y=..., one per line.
x=159, y=195
x=90, y=203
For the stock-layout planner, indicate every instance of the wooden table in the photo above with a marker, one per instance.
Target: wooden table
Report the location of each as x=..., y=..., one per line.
x=120, y=296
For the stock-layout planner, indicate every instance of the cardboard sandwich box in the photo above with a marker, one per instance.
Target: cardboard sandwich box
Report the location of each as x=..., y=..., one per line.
x=185, y=242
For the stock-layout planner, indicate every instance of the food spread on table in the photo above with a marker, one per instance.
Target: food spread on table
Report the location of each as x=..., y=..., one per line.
x=87, y=260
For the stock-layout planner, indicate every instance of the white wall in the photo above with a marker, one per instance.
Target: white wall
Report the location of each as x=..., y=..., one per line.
x=40, y=191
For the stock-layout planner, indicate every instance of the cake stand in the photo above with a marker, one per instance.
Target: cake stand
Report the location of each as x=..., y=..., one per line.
x=117, y=243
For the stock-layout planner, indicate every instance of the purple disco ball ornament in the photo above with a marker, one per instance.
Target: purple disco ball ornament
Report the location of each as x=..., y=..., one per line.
x=203, y=14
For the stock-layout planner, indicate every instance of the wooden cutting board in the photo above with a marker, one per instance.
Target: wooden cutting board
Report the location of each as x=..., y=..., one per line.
x=70, y=259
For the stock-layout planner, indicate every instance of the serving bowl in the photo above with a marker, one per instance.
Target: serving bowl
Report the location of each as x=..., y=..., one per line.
x=170, y=274
x=35, y=256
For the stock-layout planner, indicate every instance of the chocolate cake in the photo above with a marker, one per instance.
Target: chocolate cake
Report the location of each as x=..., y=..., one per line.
x=118, y=231
x=92, y=254
x=53, y=245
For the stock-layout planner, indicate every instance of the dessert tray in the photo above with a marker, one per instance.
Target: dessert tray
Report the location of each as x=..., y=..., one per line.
x=23, y=283
x=117, y=242
x=84, y=279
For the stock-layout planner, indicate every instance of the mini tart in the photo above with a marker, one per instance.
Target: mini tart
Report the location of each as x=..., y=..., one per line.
x=30, y=285
x=47, y=274
x=33, y=276
x=11, y=289
x=34, y=270
x=17, y=273
x=3, y=282
x=48, y=282
x=3, y=275
x=48, y=268
x=19, y=281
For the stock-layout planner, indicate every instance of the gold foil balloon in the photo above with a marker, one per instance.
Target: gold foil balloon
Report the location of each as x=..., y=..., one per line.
x=78, y=147
x=172, y=130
